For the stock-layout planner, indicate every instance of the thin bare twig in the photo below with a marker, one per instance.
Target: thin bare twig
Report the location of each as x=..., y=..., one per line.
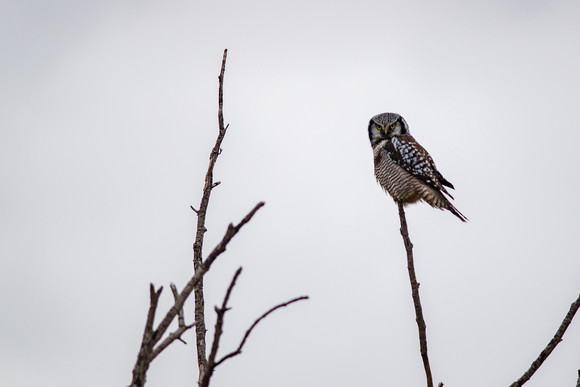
x=578, y=381
x=247, y=334
x=218, y=331
x=199, y=312
x=415, y=292
x=551, y=345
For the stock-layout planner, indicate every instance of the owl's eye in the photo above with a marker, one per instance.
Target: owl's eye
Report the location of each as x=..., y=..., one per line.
x=393, y=126
x=379, y=128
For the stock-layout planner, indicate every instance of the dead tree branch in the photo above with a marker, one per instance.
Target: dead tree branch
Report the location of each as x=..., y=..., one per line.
x=550, y=347
x=416, y=300
x=199, y=312
x=151, y=337
x=152, y=344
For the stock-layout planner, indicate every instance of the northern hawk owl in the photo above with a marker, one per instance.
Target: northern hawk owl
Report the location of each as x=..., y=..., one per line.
x=404, y=168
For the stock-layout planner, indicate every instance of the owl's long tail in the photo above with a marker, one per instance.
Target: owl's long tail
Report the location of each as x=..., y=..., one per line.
x=455, y=212
x=435, y=198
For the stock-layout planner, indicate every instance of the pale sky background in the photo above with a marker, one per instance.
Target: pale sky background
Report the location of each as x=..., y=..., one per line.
x=109, y=111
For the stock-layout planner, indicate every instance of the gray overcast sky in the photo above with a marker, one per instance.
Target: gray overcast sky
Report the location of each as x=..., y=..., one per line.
x=108, y=115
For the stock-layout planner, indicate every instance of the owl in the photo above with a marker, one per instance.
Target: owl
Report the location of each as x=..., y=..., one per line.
x=404, y=168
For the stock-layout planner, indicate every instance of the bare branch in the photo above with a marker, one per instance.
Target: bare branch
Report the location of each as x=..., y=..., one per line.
x=199, y=314
x=241, y=346
x=416, y=300
x=551, y=345
x=218, y=332
x=578, y=382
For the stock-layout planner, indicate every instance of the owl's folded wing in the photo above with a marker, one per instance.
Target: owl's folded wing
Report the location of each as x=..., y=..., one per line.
x=413, y=158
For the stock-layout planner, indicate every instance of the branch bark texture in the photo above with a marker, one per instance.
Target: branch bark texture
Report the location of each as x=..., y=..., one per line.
x=415, y=293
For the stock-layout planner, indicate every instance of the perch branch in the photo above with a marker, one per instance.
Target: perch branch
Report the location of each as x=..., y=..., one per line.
x=199, y=311
x=551, y=345
x=416, y=300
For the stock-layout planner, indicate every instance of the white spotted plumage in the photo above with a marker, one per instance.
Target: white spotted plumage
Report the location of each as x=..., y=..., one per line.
x=404, y=168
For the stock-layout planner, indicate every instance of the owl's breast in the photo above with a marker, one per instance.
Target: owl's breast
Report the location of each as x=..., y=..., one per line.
x=400, y=184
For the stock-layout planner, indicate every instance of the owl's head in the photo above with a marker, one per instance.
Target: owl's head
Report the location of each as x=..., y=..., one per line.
x=385, y=126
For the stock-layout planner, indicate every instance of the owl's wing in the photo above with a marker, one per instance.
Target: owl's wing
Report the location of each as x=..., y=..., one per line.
x=413, y=158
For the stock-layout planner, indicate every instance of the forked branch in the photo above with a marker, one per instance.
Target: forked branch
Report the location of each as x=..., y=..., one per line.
x=152, y=344
x=151, y=337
